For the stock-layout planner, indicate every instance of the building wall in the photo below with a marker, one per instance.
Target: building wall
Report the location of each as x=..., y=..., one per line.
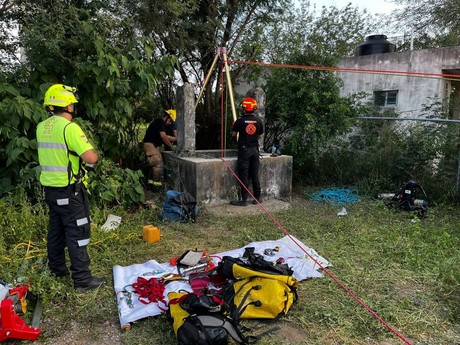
x=413, y=90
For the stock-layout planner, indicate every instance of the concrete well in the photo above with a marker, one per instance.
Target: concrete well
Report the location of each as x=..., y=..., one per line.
x=210, y=179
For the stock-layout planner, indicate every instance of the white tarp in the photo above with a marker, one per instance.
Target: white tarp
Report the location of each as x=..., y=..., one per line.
x=131, y=309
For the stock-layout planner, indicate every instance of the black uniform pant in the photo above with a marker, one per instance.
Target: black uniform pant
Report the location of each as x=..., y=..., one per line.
x=248, y=169
x=69, y=227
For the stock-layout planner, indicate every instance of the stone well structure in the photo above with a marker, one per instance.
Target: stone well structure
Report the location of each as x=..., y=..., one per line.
x=208, y=174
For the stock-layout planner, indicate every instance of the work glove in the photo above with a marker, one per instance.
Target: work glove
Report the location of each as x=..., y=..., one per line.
x=174, y=148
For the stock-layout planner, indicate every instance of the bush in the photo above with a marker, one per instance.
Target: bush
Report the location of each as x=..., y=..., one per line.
x=111, y=185
x=378, y=156
x=23, y=232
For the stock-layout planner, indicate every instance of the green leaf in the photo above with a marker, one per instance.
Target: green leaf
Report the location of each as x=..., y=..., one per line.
x=124, y=62
x=13, y=155
x=148, y=52
x=11, y=90
x=27, y=111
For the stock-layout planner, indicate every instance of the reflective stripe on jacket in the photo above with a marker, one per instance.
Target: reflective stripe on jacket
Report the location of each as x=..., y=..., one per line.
x=53, y=151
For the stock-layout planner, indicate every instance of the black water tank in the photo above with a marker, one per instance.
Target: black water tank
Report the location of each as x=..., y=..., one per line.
x=375, y=44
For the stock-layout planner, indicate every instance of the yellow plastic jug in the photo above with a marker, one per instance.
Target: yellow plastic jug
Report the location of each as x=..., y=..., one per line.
x=151, y=233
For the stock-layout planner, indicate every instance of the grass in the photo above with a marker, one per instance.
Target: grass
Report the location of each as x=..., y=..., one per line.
x=404, y=268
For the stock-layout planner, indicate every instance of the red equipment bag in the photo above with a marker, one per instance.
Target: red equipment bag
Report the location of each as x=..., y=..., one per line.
x=11, y=325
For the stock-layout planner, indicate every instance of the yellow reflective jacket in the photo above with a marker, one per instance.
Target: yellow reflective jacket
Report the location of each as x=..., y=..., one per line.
x=60, y=144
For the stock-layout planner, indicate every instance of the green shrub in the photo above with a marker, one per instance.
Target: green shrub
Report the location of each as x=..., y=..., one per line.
x=111, y=185
x=448, y=272
x=22, y=237
x=378, y=156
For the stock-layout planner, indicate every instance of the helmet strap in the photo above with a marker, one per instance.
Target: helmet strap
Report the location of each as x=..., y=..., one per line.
x=73, y=112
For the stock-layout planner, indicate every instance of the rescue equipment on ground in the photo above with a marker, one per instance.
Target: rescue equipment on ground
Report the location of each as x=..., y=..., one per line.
x=271, y=251
x=336, y=196
x=149, y=290
x=179, y=207
x=239, y=288
x=406, y=198
x=193, y=262
x=13, y=304
x=252, y=264
x=261, y=297
x=152, y=290
x=151, y=233
x=261, y=289
x=202, y=320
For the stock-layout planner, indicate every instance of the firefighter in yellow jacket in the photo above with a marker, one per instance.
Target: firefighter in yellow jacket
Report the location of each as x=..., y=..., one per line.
x=62, y=148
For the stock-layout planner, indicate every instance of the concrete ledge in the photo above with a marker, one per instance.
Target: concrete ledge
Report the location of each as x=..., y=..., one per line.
x=210, y=180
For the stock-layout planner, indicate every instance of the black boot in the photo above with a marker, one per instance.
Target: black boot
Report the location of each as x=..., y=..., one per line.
x=238, y=203
x=94, y=283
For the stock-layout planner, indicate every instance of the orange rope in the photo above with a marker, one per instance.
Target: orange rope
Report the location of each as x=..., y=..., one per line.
x=261, y=206
x=352, y=70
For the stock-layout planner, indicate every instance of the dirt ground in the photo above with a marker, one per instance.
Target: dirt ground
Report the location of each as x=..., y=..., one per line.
x=270, y=205
x=110, y=334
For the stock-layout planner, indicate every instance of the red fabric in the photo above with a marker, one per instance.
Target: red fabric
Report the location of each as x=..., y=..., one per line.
x=149, y=290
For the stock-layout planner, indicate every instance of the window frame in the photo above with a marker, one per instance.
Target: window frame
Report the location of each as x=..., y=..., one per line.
x=384, y=98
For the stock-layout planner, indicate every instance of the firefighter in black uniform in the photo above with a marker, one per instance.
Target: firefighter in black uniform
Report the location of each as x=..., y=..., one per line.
x=249, y=129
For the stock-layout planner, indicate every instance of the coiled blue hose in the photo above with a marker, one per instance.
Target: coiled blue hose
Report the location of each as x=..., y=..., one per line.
x=336, y=196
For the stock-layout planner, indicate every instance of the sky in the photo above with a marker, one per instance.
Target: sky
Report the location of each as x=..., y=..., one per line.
x=372, y=6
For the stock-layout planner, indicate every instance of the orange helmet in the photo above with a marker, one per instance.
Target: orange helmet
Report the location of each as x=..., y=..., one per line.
x=249, y=104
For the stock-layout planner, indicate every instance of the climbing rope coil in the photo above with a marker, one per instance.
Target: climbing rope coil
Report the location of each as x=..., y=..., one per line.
x=149, y=290
x=336, y=196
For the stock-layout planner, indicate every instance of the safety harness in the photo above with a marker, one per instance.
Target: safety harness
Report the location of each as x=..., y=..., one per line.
x=71, y=175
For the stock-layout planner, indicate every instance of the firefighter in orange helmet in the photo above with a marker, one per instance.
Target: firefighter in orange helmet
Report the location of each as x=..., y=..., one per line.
x=249, y=129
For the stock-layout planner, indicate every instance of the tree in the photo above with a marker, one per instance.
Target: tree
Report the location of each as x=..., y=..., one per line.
x=194, y=30
x=85, y=44
x=304, y=108
x=8, y=43
x=432, y=23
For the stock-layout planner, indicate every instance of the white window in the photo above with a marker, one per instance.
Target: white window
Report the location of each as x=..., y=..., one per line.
x=386, y=98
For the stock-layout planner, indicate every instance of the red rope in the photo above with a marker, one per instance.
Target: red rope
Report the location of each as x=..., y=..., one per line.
x=353, y=70
x=150, y=291
x=336, y=280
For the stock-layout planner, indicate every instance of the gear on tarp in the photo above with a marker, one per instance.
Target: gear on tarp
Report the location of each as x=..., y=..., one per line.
x=193, y=261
